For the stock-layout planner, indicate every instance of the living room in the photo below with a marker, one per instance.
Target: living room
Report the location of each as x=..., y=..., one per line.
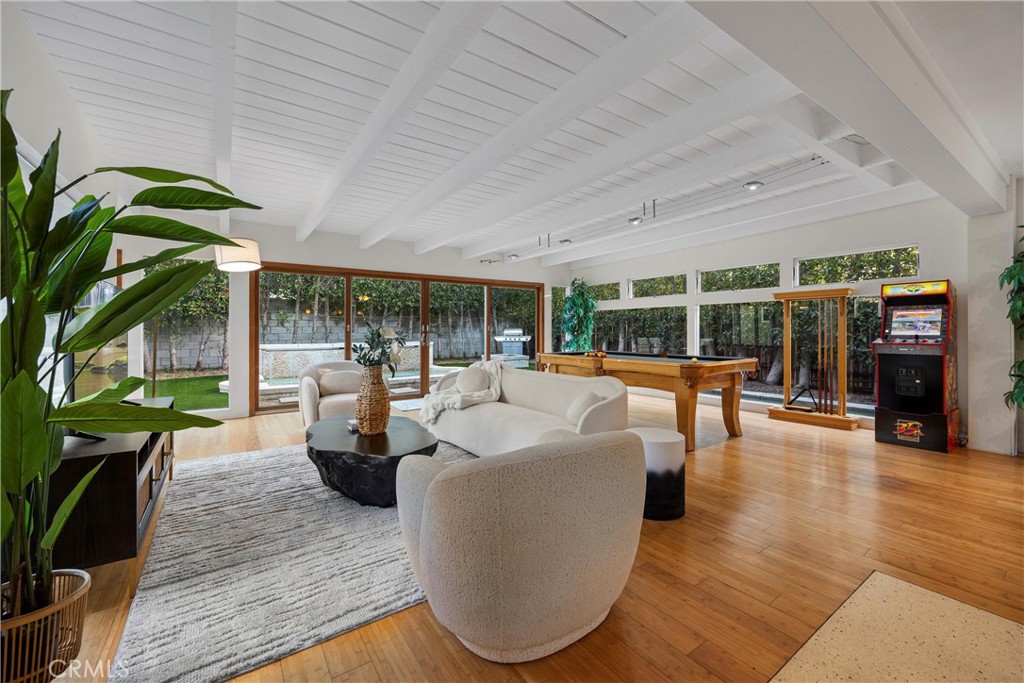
x=699, y=233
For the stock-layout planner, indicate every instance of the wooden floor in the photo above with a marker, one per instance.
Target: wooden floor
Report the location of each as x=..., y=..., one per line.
x=781, y=527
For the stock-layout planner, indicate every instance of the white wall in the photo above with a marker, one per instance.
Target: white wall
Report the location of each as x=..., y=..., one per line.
x=991, y=243
x=935, y=225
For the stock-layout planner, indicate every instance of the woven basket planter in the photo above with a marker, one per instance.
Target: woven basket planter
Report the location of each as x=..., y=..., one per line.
x=373, y=405
x=40, y=645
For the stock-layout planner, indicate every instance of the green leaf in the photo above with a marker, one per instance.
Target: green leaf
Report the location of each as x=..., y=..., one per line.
x=188, y=199
x=29, y=335
x=114, y=393
x=22, y=437
x=66, y=231
x=64, y=511
x=8, y=144
x=39, y=205
x=6, y=516
x=160, y=175
x=141, y=302
x=162, y=257
x=121, y=418
x=91, y=256
x=166, y=229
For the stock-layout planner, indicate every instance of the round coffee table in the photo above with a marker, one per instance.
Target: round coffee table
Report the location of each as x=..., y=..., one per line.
x=364, y=467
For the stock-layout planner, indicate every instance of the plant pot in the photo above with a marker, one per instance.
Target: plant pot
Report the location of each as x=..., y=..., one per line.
x=373, y=405
x=38, y=646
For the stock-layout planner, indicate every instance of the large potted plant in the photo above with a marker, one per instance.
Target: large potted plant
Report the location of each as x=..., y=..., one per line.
x=1012, y=278
x=47, y=268
x=578, y=317
x=381, y=347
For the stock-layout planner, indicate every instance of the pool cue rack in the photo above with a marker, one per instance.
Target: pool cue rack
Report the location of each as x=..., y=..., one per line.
x=823, y=345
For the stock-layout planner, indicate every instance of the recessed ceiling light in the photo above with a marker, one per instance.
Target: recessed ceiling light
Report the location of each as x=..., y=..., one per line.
x=564, y=242
x=512, y=257
x=753, y=184
x=635, y=220
x=856, y=139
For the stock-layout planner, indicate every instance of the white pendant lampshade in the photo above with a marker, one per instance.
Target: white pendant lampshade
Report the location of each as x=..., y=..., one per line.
x=238, y=259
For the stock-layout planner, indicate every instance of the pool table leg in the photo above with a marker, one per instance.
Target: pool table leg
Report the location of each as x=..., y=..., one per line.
x=686, y=412
x=731, y=404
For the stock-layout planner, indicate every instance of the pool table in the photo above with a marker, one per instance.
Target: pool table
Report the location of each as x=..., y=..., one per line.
x=685, y=376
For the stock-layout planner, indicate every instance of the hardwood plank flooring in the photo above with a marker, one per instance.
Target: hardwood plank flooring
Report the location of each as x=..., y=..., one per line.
x=781, y=526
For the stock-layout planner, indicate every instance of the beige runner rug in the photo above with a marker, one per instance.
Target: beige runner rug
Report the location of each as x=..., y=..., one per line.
x=891, y=630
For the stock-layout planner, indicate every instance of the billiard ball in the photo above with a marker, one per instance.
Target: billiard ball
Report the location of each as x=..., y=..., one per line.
x=693, y=360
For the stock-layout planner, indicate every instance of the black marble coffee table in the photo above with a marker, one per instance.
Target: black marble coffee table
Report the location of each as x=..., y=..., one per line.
x=364, y=467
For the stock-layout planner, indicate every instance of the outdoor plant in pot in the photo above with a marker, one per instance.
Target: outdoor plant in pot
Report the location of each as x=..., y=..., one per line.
x=47, y=268
x=381, y=347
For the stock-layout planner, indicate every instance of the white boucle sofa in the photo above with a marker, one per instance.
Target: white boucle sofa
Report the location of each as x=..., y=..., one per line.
x=530, y=404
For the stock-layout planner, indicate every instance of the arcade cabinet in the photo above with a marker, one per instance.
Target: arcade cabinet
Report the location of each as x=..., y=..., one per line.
x=915, y=368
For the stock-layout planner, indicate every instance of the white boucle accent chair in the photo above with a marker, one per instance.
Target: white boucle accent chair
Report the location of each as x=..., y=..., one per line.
x=522, y=554
x=531, y=403
x=314, y=405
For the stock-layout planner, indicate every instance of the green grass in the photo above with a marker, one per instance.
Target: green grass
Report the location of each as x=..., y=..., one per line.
x=192, y=393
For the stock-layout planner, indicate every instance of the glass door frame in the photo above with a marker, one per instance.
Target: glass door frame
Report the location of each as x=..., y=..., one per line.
x=425, y=281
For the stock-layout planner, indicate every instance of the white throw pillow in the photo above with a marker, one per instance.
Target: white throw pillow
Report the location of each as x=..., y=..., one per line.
x=581, y=405
x=472, y=380
x=340, y=382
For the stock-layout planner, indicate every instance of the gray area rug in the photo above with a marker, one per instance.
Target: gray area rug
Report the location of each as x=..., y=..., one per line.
x=892, y=630
x=254, y=559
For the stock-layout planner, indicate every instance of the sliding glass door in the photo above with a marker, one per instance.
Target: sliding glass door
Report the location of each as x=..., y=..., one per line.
x=301, y=322
x=388, y=302
x=301, y=316
x=513, y=326
x=457, y=326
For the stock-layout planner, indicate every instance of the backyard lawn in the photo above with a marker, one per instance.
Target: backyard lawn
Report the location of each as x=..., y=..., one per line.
x=192, y=393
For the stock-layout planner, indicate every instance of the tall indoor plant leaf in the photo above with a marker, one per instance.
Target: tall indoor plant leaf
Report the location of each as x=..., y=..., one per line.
x=48, y=267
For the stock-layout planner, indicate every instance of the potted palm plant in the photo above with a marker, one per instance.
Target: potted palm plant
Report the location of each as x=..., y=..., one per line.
x=578, y=317
x=47, y=268
x=381, y=347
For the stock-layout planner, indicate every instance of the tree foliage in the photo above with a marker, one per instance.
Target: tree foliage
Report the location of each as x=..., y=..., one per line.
x=869, y=265
x=744, y=277
x=659, y=286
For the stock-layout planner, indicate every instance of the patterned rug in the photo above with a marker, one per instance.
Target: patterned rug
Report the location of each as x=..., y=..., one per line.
x=891, y=630
x=254, y=559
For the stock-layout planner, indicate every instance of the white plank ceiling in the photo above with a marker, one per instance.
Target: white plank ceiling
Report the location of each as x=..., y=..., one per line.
x=533, y=129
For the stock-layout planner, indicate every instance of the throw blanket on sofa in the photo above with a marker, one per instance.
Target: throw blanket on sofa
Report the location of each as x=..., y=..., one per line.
x=451, y=398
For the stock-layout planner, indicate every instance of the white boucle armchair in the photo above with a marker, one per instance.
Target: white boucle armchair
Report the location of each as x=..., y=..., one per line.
x=524, y=553
x=315, y=404
x=530, y=404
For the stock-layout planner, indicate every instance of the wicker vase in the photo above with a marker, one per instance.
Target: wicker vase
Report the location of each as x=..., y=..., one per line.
x=373, y=407
x=38, y=646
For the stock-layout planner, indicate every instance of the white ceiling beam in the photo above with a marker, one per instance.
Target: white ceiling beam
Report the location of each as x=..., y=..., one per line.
x=804, y=121
x=749, y=94
x=737, y=158
x=665, y=36
x=862, y=62
x=447, y=36
x=709, y=233
x=669, y=222
x=223, y=30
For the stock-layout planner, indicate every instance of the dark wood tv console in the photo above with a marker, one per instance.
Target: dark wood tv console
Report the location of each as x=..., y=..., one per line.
x=120, y=505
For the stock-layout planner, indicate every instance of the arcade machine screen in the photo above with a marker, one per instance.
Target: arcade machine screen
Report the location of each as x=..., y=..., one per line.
x=916, y=322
